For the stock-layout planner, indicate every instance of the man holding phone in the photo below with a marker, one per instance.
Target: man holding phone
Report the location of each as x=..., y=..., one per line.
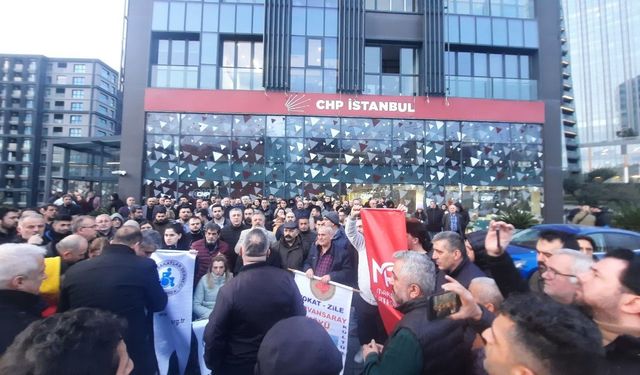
x=418, y=344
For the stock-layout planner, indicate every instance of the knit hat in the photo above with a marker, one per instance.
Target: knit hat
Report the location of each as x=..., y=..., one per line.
x=298, y=345
x=332, y=216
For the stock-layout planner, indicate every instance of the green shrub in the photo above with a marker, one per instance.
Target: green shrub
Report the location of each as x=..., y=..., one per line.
x=628, y=217
x=517, y=216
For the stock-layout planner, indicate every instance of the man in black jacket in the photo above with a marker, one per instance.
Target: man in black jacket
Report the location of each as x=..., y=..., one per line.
x=290, y=248
x=611, y=289
x=125, y=284
x=434, y=219
x=231, y=233
x=418, y=344
x=450, y=256
x=21, y=273
x=247, y=307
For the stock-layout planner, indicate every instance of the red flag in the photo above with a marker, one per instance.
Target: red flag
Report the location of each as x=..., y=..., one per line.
x=385, y=232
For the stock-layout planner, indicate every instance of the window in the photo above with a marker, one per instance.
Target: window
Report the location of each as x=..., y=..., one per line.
x=176, y=63
x=76, y=106
x=392, y=5
x=77, y=94
x=241, y=65
x=76, y=119
x=75, y=132
x=62, y=65
x=57, y=129
x=58, y=103
x=78, y=80
x=60, y=91
x=391, y=70
x=79, y=68
x=61, y=80
x=58, y=118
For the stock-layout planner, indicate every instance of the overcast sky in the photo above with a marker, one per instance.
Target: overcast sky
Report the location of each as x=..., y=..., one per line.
x=63, y=28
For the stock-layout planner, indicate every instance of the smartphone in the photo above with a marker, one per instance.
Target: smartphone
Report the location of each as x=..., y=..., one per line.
x=442, y=305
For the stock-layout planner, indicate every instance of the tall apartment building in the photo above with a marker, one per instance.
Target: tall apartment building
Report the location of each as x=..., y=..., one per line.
x=408, y=100
x=605, y=57
x=43, y=99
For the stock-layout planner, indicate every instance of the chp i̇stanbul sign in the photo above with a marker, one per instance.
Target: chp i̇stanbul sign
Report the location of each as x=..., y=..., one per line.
x=371, y=106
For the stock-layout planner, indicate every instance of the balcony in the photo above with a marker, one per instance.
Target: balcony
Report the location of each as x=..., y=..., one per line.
x=494, y=88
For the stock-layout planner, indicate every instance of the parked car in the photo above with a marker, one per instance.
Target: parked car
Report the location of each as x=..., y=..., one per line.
x=523, y=245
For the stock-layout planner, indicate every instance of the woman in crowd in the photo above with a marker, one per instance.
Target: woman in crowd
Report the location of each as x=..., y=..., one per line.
x=204, y=298
x=278, y=219
x=174, y=238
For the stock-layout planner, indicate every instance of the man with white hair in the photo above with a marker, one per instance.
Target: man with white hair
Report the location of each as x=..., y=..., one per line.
x=485, y=292
x=21, y=274
x=31, y=229
x=560, y=278
x=72, y=249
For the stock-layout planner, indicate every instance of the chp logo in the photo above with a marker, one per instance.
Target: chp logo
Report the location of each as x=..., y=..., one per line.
x=173, y=276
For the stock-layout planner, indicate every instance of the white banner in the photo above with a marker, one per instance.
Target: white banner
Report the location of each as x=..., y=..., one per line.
x=328, y=304
x=172, y=327
x=198, y=330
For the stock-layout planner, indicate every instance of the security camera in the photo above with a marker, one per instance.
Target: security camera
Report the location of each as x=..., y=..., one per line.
x=119, y=172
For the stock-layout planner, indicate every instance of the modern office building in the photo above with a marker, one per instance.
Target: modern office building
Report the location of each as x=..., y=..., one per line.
x=605, y=58
x=43, y=99
x=408, y=100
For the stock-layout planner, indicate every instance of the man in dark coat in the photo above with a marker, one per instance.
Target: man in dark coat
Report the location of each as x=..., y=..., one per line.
x=207, y=248
x=418, y=344
x=8, y=224
x=231, y=233
x=328, y=261
x=290, y=248
x=21, y=273
x=246, y=308
x=450, y=256
x=434, y=219
x=125, y=284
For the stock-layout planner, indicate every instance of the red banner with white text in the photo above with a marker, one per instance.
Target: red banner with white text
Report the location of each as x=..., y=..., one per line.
x=385, y=233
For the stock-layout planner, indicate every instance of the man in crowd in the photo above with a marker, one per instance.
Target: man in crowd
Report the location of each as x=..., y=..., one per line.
x=124, y=211
x=104, y=226
x=246, y=308
x=68, y=207
x=85, y=226
x=150, y=208
x=418, y=345
x=168, y=205
x=135, y=213
x=21, y=274
x=328, y=261
x=257, y=222
x=184, y=214
x=611, y=291
x=289, y=217
x=8, y=224
x=307, y=235
x=369, y=324
x=290, y=248
x=434, y=219
x=60, y=228
x=217, y=215
x=207, y=248
x=195, y=229
x=248, y=214
x=535, y=335
x=586, y=245
x=125, y=284
x=559, y=278
x=450, y=256
x=71, y=249
x=231, y=233
x=161, y=221
x=82, y=341
x=31, y=230
x=49, y=212
x=453, y=221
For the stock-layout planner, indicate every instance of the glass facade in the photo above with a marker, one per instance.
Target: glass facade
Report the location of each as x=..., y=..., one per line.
x=494, y=8
x=289, y=155
x=605, y=54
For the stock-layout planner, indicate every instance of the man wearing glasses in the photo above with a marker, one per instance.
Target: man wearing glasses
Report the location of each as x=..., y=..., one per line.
x=559, y=278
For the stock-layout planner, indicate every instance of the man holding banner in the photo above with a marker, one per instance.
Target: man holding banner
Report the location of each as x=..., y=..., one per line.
x=247, y=307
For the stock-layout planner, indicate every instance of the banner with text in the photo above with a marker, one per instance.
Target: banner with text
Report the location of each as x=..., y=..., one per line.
x=385, y=232
x=172, y=327
x=328, y=304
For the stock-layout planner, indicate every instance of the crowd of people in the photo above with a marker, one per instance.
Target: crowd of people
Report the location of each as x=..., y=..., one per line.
x=77, y=291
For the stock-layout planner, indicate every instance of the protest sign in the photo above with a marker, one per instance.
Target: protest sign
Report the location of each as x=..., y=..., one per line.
x=385, y=232
x=330, y=305
x=172, y=326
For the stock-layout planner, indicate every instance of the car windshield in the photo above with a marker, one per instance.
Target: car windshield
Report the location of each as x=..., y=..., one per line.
x=526, y=238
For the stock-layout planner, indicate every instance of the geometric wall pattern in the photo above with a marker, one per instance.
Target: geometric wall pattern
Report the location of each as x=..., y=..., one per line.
x=287, y=155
